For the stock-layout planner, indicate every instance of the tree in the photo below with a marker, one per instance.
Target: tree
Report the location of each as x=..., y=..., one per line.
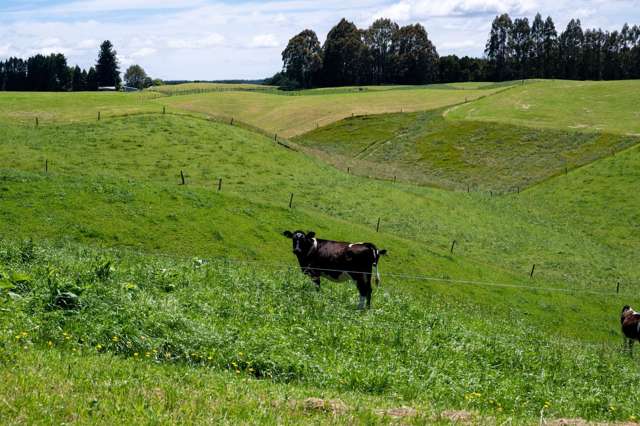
x=79, y=82
x=449, y=69
x=415, y=59
x=499, y=49
x=107, y=70
x=592, y=54
x=537, y=47
x=92, y=80
x=521, y=45
x=135, y=76
x=571, y=50
x=550, y=53
x=344, y=55
x=612, y=55
x=302, y=58
x=378, y=39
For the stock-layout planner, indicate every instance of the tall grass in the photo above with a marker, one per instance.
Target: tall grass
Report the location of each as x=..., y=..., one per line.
x=274, y=326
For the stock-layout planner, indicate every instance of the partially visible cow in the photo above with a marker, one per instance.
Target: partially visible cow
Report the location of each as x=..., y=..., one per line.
x=630, y=322
x=337, y=261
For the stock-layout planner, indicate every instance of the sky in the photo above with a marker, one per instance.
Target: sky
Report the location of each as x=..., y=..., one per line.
x=227, y=39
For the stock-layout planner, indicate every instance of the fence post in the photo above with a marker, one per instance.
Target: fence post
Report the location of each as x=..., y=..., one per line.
x=98, y=115
x=291, y=200
x=182, y=176
x=36, y=121
x=164, y=109
x=378, y=226
x=394, y=178
x=232, y=121
x=452, y=246
x=618, y=288
x=532, y=269
x=46, y=166
x=219, y=184
x=348, y=170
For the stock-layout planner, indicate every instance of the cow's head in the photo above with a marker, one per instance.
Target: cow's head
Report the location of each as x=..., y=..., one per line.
x=302, y=242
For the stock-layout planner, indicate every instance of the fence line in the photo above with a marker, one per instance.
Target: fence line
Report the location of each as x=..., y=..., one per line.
x=280, y=266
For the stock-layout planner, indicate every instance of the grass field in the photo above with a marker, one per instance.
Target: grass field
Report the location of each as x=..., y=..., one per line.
x=426, y=148
x=230, y=319
x=568, y=105
x=293, y=115
x=200, y=284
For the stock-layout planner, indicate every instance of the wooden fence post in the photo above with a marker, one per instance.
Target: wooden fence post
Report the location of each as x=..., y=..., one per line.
x=182, y=176
x=98, y=115
x=532, y=269
x=291, y=200
x=618, y=288
x=46, y=166
x=36, y=121
x=219, y=184
x=378, y=226
x=164, y=109
x=452, y=246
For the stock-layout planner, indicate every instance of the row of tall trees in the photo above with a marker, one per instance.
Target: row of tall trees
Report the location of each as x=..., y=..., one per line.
x=383, y=53
x=517, y=49
x=51, y=73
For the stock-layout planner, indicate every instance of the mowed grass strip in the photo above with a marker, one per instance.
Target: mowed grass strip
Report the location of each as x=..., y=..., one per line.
x=434, y=351
x=426, y=148
x=603, y=106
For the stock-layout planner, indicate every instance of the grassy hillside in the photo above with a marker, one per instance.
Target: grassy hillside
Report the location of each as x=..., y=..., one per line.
x=435, y=353
x=427, y=148
x=190, y=88
x=199, y=282
x=292, y=115
x=117, y=183
x=609, y=106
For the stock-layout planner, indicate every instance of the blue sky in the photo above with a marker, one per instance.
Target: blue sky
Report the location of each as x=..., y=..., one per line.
x=217, y=39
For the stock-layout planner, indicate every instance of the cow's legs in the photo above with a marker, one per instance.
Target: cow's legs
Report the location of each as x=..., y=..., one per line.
x=316, y=281
x=363, y=282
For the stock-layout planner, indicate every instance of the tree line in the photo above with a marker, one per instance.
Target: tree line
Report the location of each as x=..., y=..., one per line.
x=386, y=53
x=52, y=74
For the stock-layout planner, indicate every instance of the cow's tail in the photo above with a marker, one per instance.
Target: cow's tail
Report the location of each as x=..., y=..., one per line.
x=376, y=257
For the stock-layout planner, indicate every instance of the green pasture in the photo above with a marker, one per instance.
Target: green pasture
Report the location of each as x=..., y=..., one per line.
x=427, y=148
x=100, y=239
x=603, y=106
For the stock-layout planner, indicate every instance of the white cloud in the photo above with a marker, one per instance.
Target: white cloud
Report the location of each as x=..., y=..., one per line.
x=415, y=10
x=88, y=44
x=145, y=51
x=264, y=40
x=210, y=40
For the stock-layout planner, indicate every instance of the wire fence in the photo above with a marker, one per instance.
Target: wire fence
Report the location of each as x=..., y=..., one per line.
x=290, y=267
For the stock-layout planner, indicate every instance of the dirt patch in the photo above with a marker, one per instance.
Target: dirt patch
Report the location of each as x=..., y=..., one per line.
x=568, y=422
x=398, y=413
x=333, y=406
x=583, y=422
x=457, y=416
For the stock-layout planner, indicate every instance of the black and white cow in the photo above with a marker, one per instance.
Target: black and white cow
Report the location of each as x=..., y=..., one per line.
x=337, y=261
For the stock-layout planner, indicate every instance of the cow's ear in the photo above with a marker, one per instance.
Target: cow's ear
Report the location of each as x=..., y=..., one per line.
x=287, y=234
x=311, y=234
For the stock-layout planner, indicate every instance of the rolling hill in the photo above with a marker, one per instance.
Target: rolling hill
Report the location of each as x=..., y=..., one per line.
x=203, y=275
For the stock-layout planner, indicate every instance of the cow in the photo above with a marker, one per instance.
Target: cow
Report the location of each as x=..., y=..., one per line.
x=630, y=322
x=337, y=261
